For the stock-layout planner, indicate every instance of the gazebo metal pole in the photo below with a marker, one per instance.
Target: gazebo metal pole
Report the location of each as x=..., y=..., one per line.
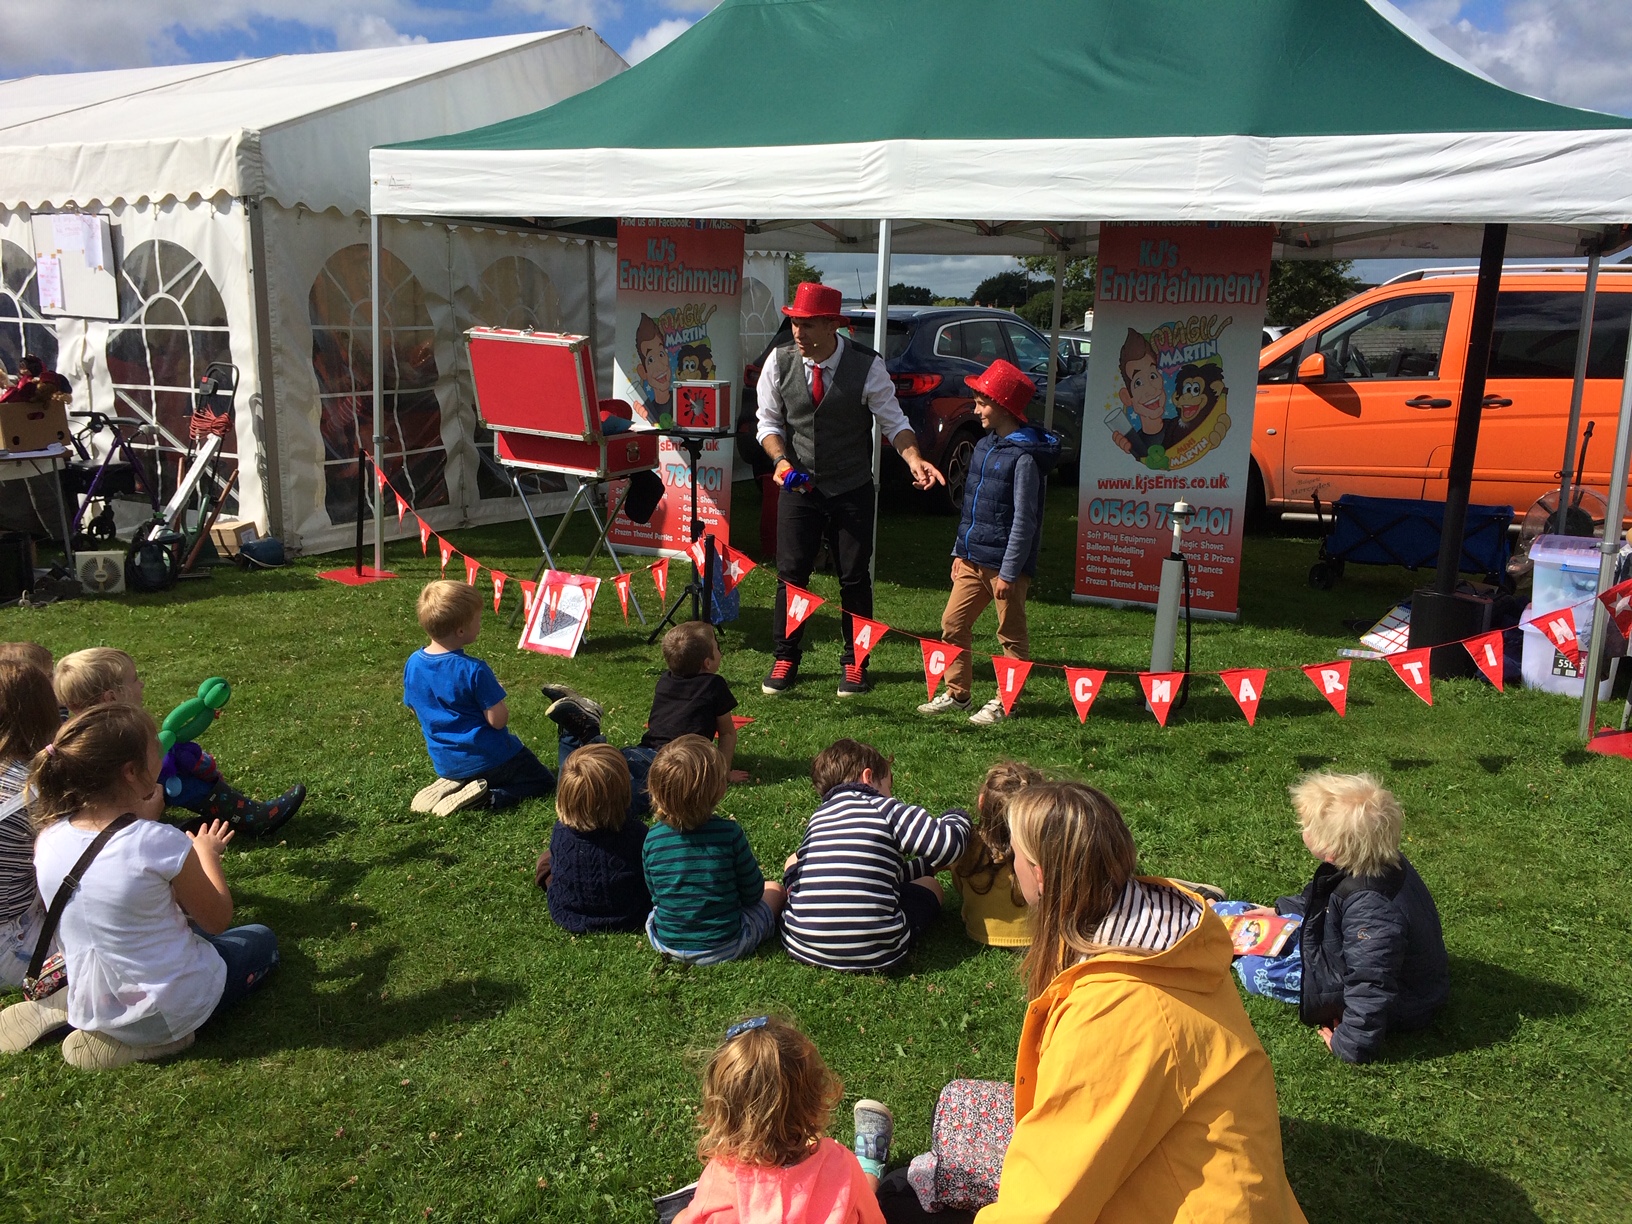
x=376, y=310
x=1054, y=340
x=1609, y=548
x=881, y=331
x=1459, y=479
x=1583, y=346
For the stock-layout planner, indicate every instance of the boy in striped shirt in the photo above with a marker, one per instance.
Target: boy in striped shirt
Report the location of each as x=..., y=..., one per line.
x=861, y=888
x=710, y=902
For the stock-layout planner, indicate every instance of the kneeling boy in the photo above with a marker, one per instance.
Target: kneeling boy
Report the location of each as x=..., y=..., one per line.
x=861, y=887
x=460, y=706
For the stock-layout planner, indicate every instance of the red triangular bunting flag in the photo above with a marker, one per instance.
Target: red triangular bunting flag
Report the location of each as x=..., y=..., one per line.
x=446, y=550
x=864, y=635
x=379, y=476
x=424, y=536
x=1559, y=628
x=472, y=568
x=1486, y=650
x=698, y=552
x=1332, y=679
x=738, y=565
x=1246, y=685
x=1084, y=683
x=1617, y=602
x=801, y=603
x=1411, y=666
x=938, y=657
x=499, y=577
x=1011, y=678
x=660, y=578
x=402, y=506
x=528, y=590
x=1160, y=690
x=621, y=581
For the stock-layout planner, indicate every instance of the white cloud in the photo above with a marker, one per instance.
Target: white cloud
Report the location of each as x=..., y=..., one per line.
x=566, y=13
x=46, y=35
x=1577, y=52
x=656, y=38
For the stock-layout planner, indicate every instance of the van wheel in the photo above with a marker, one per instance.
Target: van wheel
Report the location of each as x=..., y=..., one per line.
x=959, y=453
x=1257, y=508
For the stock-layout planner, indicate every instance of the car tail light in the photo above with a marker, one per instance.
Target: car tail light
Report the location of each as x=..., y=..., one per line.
x=915, y=384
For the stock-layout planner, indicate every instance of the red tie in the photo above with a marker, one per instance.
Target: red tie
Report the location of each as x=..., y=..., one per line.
x=816, y=384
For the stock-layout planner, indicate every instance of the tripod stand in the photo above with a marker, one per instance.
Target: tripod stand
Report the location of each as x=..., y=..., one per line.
x=700, y=590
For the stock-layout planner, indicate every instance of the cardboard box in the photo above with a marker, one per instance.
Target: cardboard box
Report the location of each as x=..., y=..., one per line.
x=28, y=426
x=230, y=535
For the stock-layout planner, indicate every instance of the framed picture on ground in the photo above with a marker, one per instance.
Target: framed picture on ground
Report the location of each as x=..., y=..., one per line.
x=559, y=614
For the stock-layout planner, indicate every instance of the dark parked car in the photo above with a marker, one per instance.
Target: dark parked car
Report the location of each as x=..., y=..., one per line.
x=929, y=352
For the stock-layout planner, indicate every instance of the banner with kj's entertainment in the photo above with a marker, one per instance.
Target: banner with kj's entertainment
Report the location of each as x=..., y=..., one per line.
x=1178, y=319
x=679, y=321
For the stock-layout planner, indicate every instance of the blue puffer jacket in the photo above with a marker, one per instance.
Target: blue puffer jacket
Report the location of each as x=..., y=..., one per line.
x=1003, y=501
x=1373, y=955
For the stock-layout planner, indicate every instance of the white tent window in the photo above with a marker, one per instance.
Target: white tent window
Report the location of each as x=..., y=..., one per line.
x=414, y=455
x=22, y=328
x=760, y=318
x=513, y=292
x=172, y=325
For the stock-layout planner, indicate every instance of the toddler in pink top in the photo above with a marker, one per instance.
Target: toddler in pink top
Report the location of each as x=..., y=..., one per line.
x=767, y=1099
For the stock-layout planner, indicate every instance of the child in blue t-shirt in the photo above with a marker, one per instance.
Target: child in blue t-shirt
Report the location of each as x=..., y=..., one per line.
x=461, y=710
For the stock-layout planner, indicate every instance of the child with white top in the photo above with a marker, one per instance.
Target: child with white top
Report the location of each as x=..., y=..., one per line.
x=149, y=954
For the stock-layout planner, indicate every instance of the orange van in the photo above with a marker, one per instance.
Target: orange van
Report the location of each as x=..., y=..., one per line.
x=1363, y=398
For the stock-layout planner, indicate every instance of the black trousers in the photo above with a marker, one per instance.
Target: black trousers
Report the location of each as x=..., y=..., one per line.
x=803, y=521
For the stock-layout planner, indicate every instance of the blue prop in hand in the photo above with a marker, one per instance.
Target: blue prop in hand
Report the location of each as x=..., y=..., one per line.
x=793, y=478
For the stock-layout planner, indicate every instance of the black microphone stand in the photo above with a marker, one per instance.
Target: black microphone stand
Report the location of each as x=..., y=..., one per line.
x=700, y=590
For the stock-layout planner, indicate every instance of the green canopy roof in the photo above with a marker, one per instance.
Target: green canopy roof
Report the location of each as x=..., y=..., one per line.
x=1313, y=112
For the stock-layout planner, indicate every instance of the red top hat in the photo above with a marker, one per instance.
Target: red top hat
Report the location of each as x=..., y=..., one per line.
x=1004, y=384
x=812, y=301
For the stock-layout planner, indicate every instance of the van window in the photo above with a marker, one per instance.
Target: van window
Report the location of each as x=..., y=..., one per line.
x=1536, y=334
x=1282, y=370
x=896, y=335
x=978, y=340
x=1400, y=338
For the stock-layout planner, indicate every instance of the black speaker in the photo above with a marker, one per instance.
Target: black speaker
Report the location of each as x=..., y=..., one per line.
x=1437, y=618
x=16, y=565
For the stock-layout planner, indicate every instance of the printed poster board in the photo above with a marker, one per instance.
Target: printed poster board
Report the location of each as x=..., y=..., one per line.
x=559, y=617
x=679, y=319
x=1178, y=320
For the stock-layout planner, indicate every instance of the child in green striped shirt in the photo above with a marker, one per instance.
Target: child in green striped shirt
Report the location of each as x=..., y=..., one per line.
x=710, y=902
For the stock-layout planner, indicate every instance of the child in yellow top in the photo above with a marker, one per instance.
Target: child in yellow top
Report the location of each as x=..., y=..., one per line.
x=994, y=912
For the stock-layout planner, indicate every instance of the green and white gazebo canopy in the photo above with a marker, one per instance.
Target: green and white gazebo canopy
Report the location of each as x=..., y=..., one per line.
x=1018, y=128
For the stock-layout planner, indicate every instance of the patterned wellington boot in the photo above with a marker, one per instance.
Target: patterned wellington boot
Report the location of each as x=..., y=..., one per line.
x=248, y=815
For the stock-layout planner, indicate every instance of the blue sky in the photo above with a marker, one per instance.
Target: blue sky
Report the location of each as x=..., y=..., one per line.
x=1573, y=51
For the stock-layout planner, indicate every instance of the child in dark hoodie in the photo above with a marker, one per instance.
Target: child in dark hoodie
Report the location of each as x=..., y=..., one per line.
x=995, y=553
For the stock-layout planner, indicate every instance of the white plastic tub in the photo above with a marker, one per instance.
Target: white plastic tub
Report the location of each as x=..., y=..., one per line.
x=1544, y=668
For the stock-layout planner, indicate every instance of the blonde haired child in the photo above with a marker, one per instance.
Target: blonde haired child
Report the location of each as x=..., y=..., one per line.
x=592, y=870
x=1370, y=955
x=31, y=653
x=994, y=911
x=462, y=713
x=101, y=675
x=149, y=954
x=710, y=901
x=767, y=1100
x=1141, y=1091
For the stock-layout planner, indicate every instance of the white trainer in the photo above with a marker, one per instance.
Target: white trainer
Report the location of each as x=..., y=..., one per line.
x=988, y=714
x=22, y=1024
x=944, y=703
x=90, y=1051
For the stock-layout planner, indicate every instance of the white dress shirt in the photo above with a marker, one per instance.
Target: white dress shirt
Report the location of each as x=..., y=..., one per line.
x=878, y=393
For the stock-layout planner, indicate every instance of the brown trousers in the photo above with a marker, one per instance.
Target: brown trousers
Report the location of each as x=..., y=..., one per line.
x=971, y=592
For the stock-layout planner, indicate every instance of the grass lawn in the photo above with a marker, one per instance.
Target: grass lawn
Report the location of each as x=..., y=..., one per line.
x=433, y=1047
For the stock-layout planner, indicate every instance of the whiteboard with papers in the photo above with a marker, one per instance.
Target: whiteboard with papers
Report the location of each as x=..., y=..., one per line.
x=74, y=265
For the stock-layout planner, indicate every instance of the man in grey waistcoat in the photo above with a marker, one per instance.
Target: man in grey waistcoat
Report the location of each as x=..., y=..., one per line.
x=818, y=398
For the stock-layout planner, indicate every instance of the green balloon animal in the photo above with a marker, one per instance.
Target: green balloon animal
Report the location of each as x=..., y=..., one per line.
x=193, y=717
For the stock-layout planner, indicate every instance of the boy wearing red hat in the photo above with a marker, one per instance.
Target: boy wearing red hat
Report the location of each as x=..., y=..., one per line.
x=995, y=553
x=818, y=399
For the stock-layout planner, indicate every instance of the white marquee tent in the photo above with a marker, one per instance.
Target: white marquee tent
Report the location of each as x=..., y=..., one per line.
x=238, y=195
